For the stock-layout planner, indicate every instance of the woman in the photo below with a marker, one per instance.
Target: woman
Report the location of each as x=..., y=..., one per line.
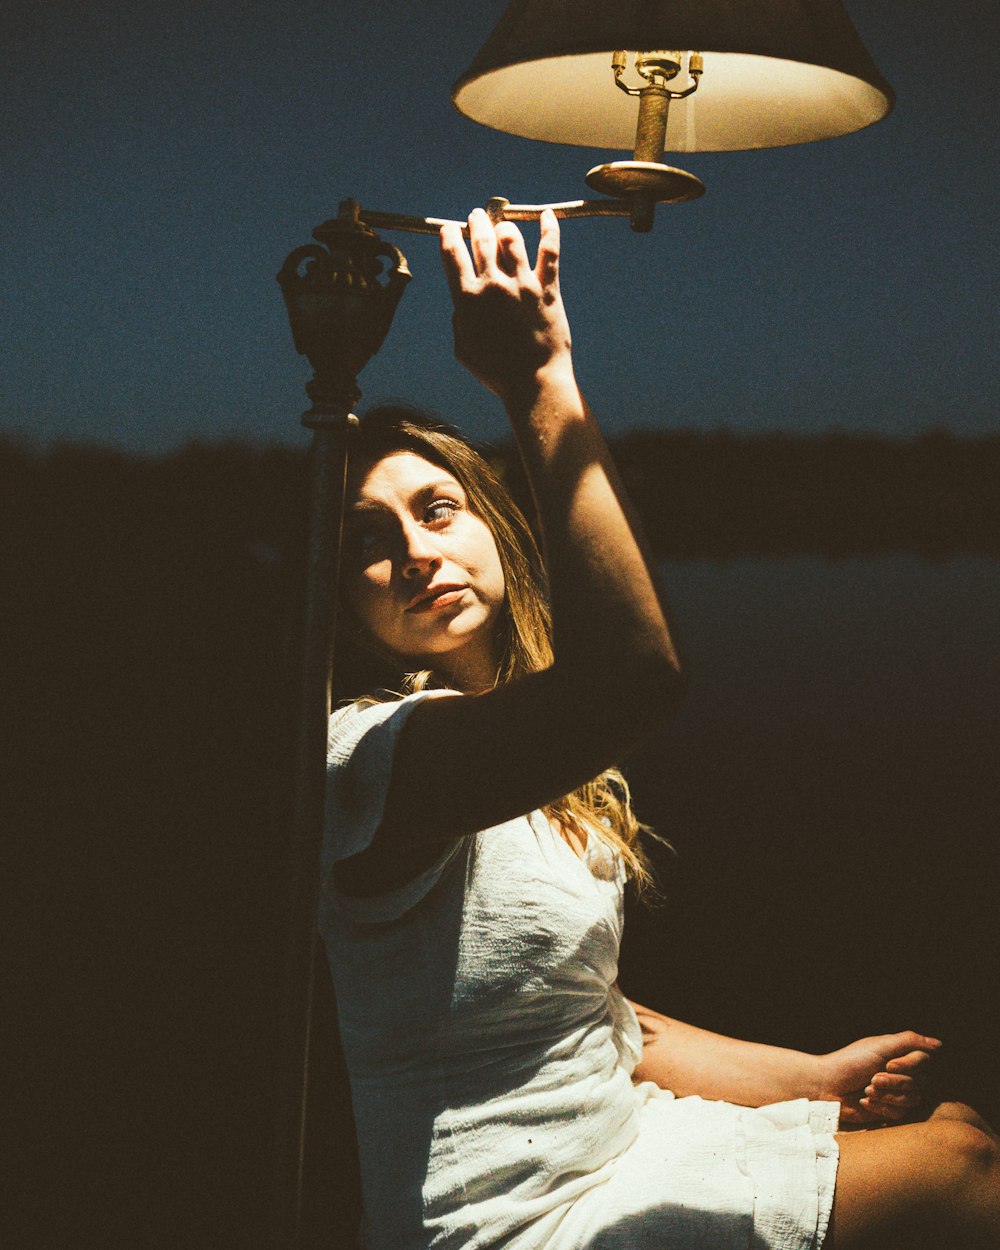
x=504, y=1090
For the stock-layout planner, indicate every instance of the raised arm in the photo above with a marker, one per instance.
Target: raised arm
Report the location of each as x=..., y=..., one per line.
x=463, y=764
x=511, y=332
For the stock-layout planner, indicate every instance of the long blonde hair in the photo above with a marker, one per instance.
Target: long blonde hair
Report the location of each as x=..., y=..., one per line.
x=602, y=806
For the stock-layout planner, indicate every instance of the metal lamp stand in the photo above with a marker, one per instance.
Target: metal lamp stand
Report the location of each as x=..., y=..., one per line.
x=341, y=293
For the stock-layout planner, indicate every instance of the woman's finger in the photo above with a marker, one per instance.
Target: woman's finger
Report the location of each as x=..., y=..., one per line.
x=884, y=1083
x=908, y=1041
x=455, y=257
x=893, y=1098
x=547, y=264
x=883, y=1112
x=511, y=252
x=909, y=1063
x=483, y=241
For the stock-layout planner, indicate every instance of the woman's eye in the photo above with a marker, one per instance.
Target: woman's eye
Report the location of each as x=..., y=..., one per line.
x=440, y=510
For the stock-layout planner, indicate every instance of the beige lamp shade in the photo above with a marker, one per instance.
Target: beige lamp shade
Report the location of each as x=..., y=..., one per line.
x=776, y=72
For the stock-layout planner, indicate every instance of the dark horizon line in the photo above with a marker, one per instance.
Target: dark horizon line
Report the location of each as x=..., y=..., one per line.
x=699, y=496
x=20, y=442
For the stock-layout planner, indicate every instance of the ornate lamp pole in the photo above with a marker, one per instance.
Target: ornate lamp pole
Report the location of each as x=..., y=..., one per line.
x=341, y=293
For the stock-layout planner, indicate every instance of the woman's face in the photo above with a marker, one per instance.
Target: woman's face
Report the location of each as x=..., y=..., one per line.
x=422, y=572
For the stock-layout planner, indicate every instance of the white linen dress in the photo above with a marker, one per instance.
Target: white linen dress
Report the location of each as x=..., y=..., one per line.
x=490, y=1055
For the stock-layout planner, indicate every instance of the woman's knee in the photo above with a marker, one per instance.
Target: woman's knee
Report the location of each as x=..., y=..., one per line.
x=973, y=1150
x=965, y=1193
x=961, y=1111
x=916, y=1185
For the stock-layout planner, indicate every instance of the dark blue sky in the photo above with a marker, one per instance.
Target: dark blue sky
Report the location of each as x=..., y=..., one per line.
x=158, y=164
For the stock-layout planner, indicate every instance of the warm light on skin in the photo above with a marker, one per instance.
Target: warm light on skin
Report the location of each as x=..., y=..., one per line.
x=423, y=572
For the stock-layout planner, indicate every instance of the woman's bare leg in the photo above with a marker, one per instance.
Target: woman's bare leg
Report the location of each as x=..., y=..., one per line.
x=919, y=1186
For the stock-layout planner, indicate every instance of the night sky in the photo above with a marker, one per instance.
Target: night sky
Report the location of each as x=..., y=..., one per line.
x=159, y=162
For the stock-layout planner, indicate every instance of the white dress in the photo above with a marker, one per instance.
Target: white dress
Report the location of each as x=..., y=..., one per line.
x=490, y=1055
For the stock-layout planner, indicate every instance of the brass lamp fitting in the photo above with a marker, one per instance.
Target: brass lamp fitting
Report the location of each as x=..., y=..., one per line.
x=341, y=293
x=645, y=180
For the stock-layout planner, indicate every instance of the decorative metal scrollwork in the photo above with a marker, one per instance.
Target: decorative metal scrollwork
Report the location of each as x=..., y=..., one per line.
x=341, y=293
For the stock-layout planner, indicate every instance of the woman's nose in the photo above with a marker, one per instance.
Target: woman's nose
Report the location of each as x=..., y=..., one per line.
x=419, y=552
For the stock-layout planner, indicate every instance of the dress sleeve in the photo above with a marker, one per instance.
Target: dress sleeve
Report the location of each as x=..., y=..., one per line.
x=361, y=745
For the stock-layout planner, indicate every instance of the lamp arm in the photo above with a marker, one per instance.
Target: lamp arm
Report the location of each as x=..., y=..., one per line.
x=499, y=209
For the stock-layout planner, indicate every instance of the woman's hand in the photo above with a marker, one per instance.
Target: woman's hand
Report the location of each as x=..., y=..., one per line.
x=510, y=324
x=878, y=1080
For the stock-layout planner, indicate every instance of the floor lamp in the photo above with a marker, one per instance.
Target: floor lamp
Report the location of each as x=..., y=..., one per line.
x=641, y=75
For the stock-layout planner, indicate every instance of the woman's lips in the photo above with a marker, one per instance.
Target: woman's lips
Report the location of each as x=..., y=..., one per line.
x=436, y=598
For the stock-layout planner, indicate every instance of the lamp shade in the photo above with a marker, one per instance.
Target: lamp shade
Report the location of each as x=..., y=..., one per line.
x=775, y=72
